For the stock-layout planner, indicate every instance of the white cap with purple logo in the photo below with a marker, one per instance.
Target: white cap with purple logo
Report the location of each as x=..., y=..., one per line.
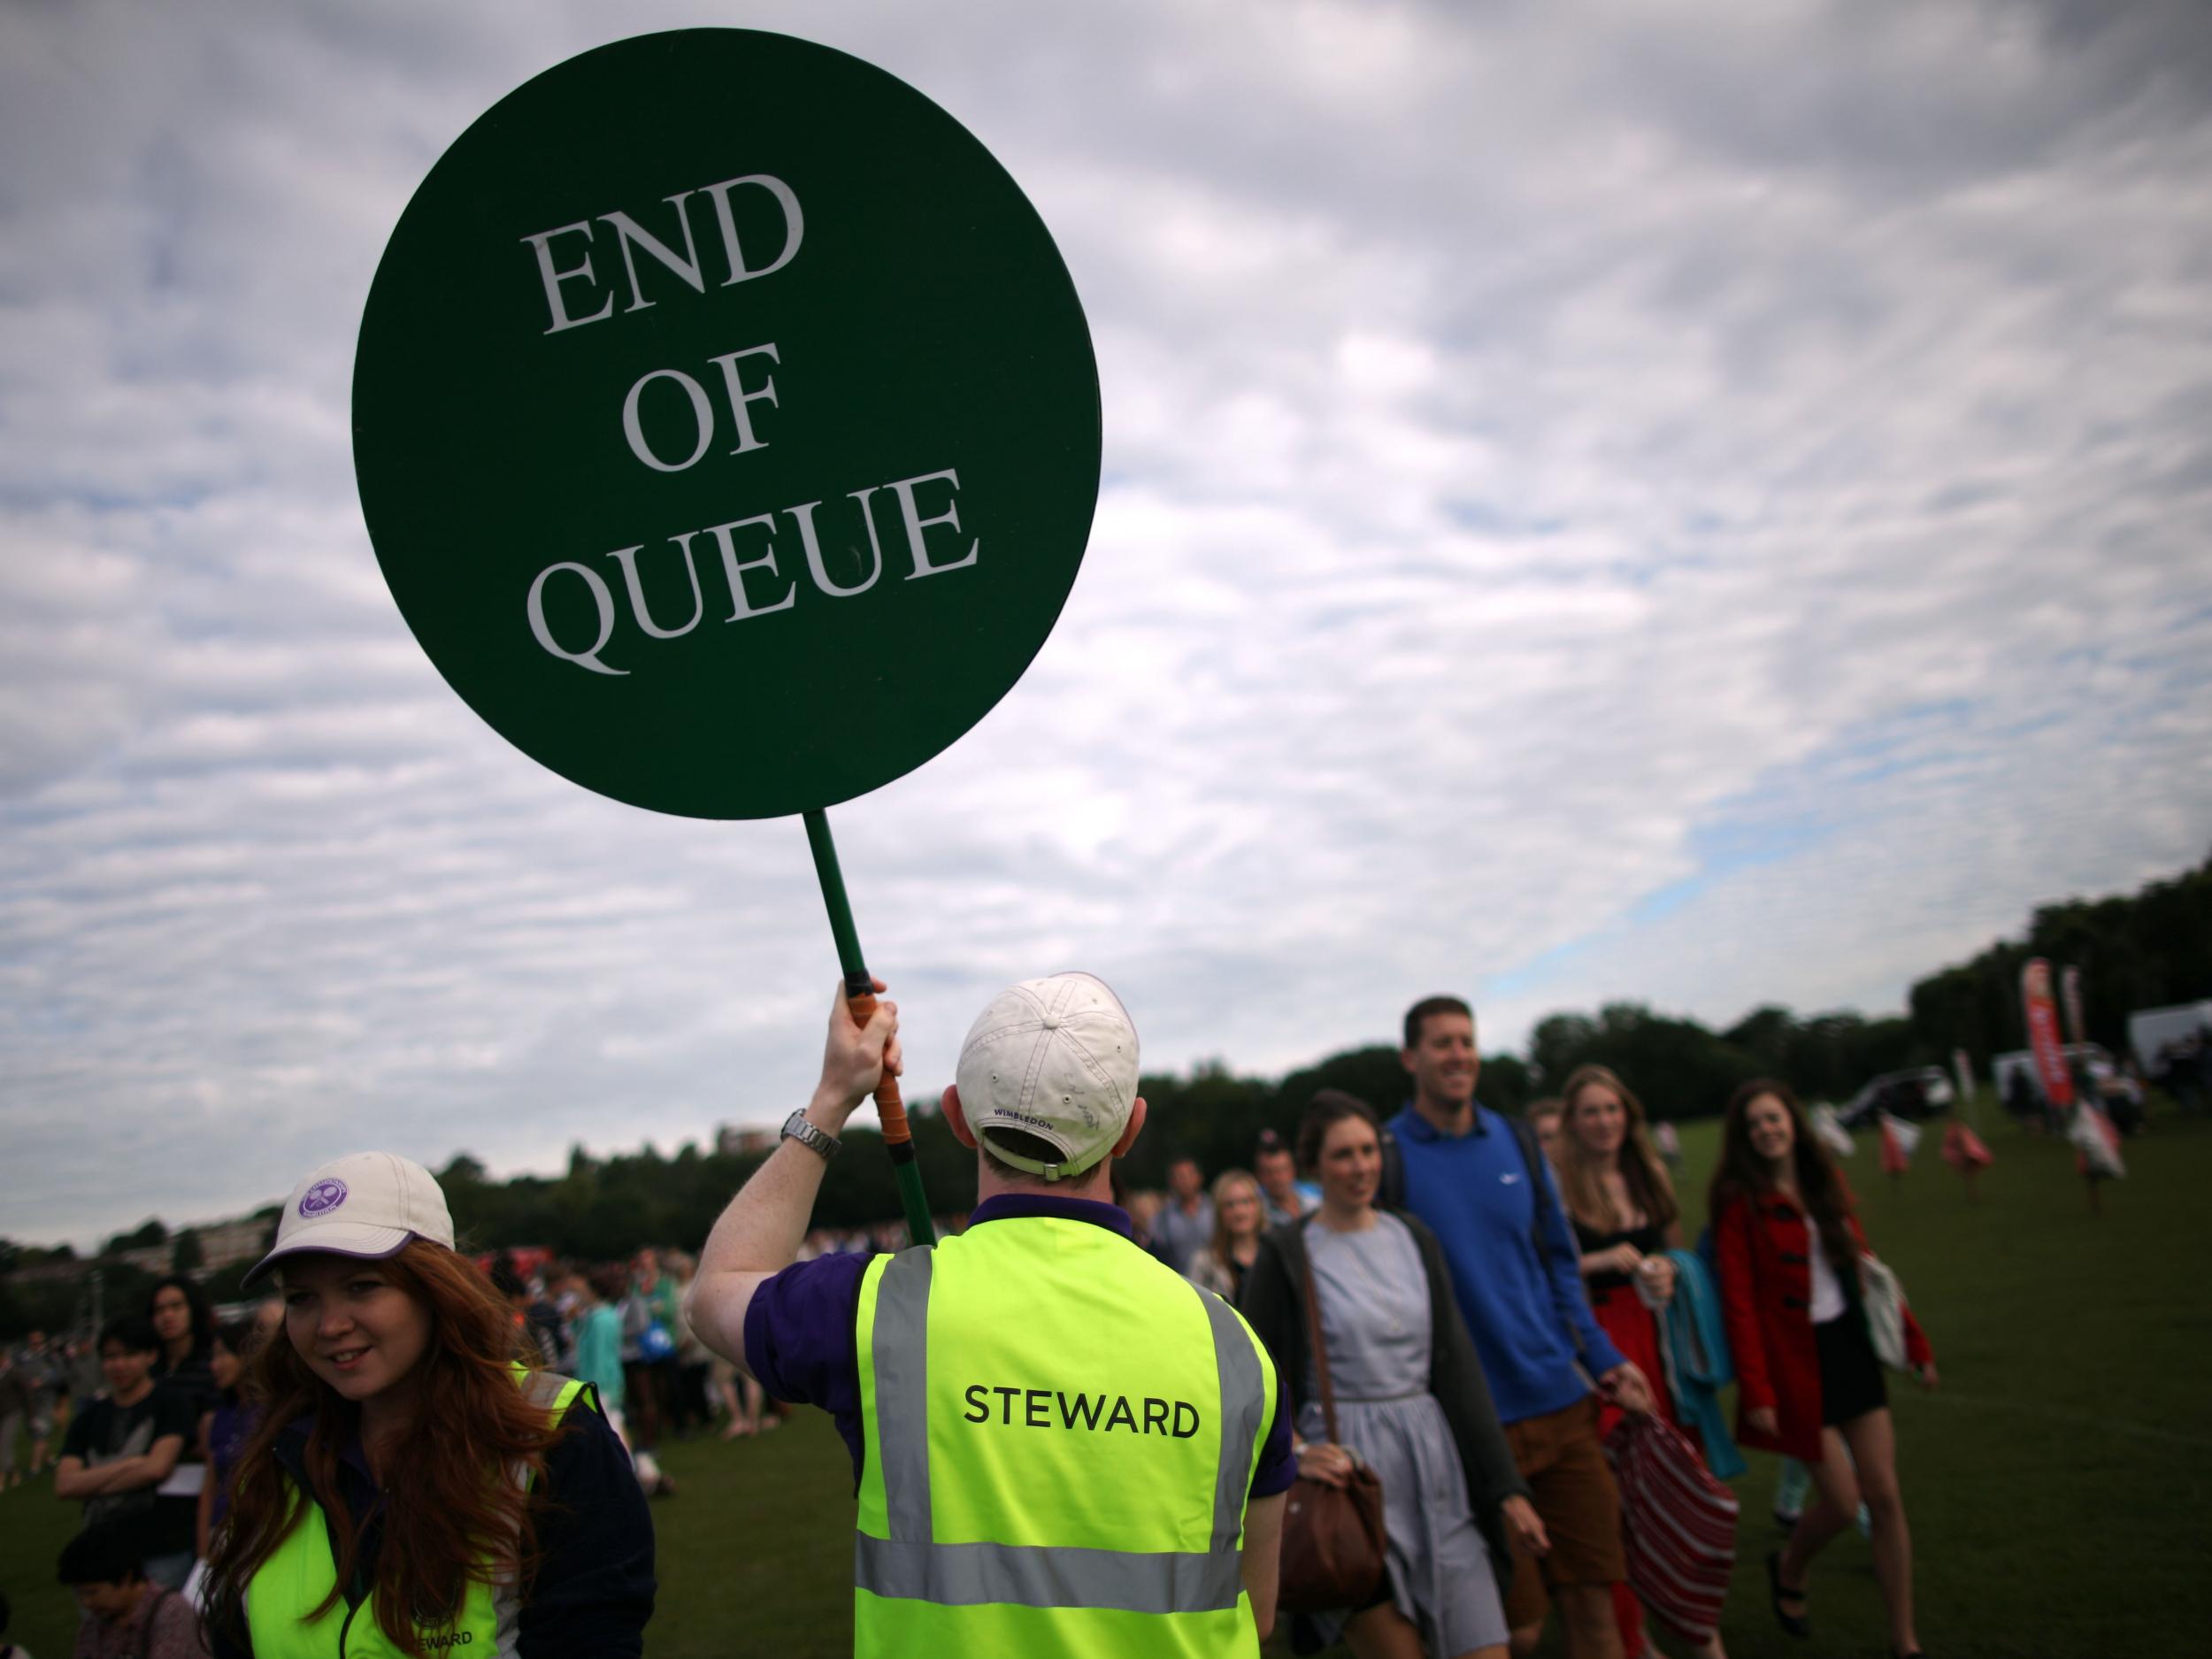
x=368, y=1204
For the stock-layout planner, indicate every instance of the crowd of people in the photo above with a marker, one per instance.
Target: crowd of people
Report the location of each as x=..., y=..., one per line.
x=425, y=1450
x=1475, y=1275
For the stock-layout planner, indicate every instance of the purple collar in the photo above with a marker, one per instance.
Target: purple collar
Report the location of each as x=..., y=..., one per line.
x=1028, y=1206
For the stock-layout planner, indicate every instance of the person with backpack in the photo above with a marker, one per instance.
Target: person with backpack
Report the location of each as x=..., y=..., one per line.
x=1483, y=1187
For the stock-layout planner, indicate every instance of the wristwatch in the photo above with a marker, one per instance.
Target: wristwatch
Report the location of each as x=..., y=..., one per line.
x=796, y=1127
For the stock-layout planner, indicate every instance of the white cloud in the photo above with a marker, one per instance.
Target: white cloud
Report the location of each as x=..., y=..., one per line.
x=1643, y=500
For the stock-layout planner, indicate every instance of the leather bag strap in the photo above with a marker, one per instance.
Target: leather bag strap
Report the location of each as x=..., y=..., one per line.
x=1320, y=1353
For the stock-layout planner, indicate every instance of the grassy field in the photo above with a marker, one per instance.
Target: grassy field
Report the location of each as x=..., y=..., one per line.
x=2057, y=1484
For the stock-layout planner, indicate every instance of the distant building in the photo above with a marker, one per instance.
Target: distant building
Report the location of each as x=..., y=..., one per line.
x=730, y=1141
x=227, y=1243
x=222, y=1244
x=147, y=1258
x=59, y=1273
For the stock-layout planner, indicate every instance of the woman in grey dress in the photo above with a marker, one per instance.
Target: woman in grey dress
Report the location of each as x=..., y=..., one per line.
x=1410, y=1400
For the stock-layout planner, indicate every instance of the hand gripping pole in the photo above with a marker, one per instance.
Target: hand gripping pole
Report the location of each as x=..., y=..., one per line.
x=860, y=1002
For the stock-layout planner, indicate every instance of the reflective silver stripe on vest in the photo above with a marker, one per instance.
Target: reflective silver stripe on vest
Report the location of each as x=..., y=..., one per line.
x=1243, y=1397
x=909, y=1565
x=900, y=1339
x=1029, y=1575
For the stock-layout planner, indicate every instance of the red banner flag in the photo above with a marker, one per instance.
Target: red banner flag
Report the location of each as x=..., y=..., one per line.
x=2043, y=1038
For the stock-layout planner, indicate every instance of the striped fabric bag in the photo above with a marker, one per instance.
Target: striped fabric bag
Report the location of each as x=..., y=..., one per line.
x=1678, y=1524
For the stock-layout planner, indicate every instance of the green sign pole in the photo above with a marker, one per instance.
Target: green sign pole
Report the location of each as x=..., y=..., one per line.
x=713, y=382
x=860, y=1001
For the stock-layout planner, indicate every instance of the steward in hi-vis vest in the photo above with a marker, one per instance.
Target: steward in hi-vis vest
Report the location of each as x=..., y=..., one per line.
x=410, y=1487
x=298, y=1578
x=1062, y=1447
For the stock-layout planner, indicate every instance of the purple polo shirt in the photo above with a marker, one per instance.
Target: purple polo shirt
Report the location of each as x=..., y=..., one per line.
x=798, y=1332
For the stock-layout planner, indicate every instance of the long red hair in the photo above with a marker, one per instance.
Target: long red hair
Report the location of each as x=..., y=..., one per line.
x=461, y=1506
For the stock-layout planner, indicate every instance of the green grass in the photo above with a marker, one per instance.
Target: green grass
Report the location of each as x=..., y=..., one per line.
x=2057, y=1484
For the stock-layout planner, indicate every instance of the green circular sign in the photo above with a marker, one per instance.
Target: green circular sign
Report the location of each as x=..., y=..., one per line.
x=727, y=423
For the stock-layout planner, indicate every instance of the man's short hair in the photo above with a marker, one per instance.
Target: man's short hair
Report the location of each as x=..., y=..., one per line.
x=106, y=1552
x=1417, y=1015
x=134, y=1330
x=1271, y=1145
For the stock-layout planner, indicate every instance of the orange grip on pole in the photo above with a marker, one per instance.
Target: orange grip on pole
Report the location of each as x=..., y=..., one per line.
x=890, y=1104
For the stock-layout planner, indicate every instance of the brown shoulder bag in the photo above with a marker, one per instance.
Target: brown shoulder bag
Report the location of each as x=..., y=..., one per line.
x=1333, y=1536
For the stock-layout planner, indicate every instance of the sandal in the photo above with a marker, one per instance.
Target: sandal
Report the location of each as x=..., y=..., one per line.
x=1795, y=1624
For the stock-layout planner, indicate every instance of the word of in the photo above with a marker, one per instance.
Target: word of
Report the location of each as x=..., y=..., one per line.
x=1163, y=1416
x=703, y=410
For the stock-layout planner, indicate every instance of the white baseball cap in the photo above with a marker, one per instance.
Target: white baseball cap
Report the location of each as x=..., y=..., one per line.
x=369, y=1205
x=1056, y=1059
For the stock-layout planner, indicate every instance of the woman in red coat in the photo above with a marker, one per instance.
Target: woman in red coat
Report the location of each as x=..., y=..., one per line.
x=1788, y=1248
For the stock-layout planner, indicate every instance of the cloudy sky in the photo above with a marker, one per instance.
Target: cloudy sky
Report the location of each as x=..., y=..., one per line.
x=1686, y=501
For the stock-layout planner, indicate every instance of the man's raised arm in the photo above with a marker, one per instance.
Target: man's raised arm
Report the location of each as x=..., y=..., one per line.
x=759, y=1235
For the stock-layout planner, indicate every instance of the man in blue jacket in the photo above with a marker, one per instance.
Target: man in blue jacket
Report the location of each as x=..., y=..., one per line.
x=1486, y=1191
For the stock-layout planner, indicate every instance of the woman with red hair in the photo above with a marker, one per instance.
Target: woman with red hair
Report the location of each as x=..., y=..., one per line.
x=1789, y=1247
x=415, y=1487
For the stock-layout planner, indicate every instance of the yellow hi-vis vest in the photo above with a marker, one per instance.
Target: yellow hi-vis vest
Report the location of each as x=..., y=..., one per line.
x=1059, y=1433
x=290, y=1585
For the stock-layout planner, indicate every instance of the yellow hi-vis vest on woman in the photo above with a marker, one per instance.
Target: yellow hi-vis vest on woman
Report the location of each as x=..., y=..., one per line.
x=300, y=1572
x=1059, y=1433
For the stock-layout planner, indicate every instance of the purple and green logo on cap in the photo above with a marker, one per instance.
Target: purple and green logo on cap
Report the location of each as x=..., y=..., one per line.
x=323, y=1197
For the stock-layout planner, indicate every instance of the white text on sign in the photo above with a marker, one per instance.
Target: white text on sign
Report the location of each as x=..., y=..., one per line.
x=755, y=583
x=750, y=575
x=632, y=239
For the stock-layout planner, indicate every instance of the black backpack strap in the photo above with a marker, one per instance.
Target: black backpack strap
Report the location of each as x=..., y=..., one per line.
x=1392, y=1194
x=1539, y=1169
x=1533, y=1161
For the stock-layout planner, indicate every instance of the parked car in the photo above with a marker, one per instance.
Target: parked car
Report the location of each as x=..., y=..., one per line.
x=1917, y=1092
x=2080, y=1056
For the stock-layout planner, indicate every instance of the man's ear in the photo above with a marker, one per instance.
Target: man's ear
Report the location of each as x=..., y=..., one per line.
x=1405, y=1058
x=958, y=1119
x=1129, y=1130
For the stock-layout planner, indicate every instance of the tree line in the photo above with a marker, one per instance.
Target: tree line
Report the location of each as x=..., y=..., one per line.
x=2148, y=949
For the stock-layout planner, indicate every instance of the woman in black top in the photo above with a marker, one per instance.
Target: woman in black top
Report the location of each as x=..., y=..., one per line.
x=185, y=1323
x=1621, y=1200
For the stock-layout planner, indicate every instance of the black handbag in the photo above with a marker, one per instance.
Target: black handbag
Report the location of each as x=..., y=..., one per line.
x=1333, y=1537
